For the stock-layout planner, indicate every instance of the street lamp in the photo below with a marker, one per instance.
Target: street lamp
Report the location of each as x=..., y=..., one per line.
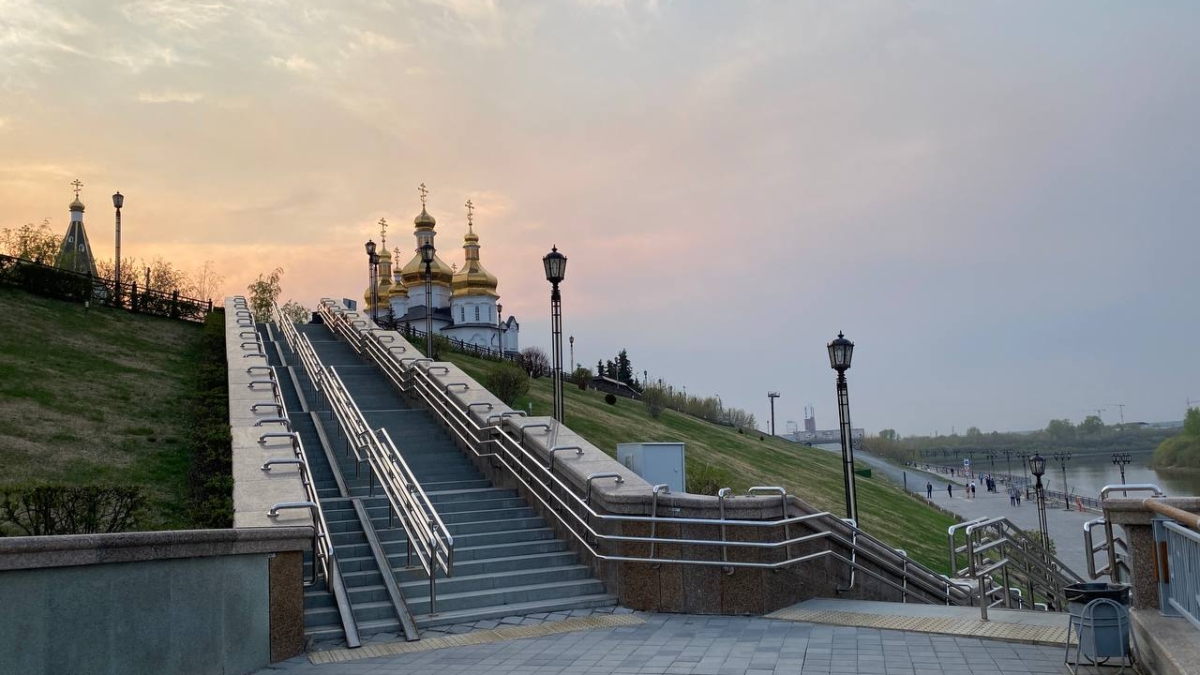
x=774, y=395
x=118, y=202
x=1062, y=458
x=372, y=261
x=1121, y=459
x=1008, y=453
x=1037, y=466
x=571, y=363
x=991, y=455
x=840, y=352
x=556, y=270
x=427, y=254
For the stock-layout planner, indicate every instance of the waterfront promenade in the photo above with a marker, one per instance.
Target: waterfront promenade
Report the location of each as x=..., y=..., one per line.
x=1066, y=527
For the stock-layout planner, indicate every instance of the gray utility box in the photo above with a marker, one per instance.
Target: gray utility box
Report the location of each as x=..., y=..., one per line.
x=656, y=462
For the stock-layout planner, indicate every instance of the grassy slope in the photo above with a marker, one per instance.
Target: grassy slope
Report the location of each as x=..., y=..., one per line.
x=814, y=475
x=95, y=395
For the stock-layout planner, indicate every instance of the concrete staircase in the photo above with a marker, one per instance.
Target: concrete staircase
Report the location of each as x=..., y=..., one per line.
x=507, y=561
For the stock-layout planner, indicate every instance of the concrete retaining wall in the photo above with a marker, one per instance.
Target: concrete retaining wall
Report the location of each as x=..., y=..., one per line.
x=195, y=601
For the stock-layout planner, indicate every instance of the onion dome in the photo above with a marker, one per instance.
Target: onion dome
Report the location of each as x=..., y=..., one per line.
x=413, y=273
x=424, y=221
x=473, y=279
x=76, y=205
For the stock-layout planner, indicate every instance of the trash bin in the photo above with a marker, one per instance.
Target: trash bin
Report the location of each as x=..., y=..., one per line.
x=1079, y=595
x=1104, y=628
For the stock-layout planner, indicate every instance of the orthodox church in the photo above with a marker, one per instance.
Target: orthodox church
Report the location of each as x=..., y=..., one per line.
x=75, y=254
x=465, y=303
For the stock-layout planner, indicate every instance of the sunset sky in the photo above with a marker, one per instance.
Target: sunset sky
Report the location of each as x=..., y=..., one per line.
x=997, y=201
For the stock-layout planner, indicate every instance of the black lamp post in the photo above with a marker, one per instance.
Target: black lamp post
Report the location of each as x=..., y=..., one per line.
x=556, y=270
x=1008, y=453
x=840, y=352
x=118, y=202
x=1062, y=458
x=1037, y=466
x=427, y=254
x=1121, y=459
x=372, y=261
x=991, y=455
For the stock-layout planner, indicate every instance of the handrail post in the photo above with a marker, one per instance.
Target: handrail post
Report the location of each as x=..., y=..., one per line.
x=721, y=495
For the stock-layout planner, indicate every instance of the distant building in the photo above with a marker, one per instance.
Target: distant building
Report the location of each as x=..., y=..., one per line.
x=465, y=303
x=611, y=386
x=75, y=254
x=825, y=436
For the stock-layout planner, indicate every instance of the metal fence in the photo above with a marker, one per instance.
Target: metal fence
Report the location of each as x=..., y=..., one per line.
x=56, y=282
x=1182, y=590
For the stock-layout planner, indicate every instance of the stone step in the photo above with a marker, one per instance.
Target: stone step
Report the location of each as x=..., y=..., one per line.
x=418, y=588
x=491, y=598
x=447, y=616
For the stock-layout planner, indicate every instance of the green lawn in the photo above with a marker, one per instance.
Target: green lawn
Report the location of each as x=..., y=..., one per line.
x=96, y=396
x=742, y=460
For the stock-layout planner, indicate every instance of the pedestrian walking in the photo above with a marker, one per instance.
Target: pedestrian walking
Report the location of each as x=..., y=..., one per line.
x=971, y=490
x=1018, y=497
x=928, y=490
x=950, y=489
x=1012, y=497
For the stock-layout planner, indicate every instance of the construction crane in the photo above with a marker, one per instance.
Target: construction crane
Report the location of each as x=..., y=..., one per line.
x=1121, y=407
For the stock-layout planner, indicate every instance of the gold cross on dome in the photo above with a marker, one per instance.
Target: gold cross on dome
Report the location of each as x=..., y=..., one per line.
x=383, y=233
x=470, y=212
x=77, y=185
x=424, y=193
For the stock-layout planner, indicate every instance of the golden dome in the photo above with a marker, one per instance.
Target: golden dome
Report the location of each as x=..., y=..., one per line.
x=77, y=205
x=473, y=279
x=398, y=291
x=413, y=274
x=424, y=220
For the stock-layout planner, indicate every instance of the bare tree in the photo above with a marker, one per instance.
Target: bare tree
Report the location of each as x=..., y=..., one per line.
x=535, y=362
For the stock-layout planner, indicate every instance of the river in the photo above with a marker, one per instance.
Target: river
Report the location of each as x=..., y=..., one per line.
x=1086, y=474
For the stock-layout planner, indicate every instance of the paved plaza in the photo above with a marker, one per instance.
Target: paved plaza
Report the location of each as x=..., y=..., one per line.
x=712, y=645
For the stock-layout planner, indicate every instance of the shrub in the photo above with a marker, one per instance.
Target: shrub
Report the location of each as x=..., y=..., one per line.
x=508, y=382
x=655, y=399
x=707, y=479
x=39, y=510
x=610, y=399
x=581, y=377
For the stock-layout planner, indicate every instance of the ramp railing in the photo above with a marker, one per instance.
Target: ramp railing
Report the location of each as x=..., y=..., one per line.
x=413, y=374
x=427, y=534
x=1008, y=566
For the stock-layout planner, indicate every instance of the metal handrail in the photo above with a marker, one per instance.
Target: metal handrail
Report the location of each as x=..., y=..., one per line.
x=323, y=553
x=994, y=545
x=577, y=516
x=427, y=534
x=1110, y=538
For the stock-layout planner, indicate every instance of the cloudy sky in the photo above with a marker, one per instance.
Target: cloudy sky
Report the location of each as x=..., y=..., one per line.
x=996, y=201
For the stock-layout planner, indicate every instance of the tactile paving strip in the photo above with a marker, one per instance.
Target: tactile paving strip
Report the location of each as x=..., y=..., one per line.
x=995, y=630
x=478, y=637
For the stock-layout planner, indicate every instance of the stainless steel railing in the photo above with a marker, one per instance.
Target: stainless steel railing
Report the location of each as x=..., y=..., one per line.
x=411, y=373
x=427, y=534
x=1182, y=573
x=995, y=547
